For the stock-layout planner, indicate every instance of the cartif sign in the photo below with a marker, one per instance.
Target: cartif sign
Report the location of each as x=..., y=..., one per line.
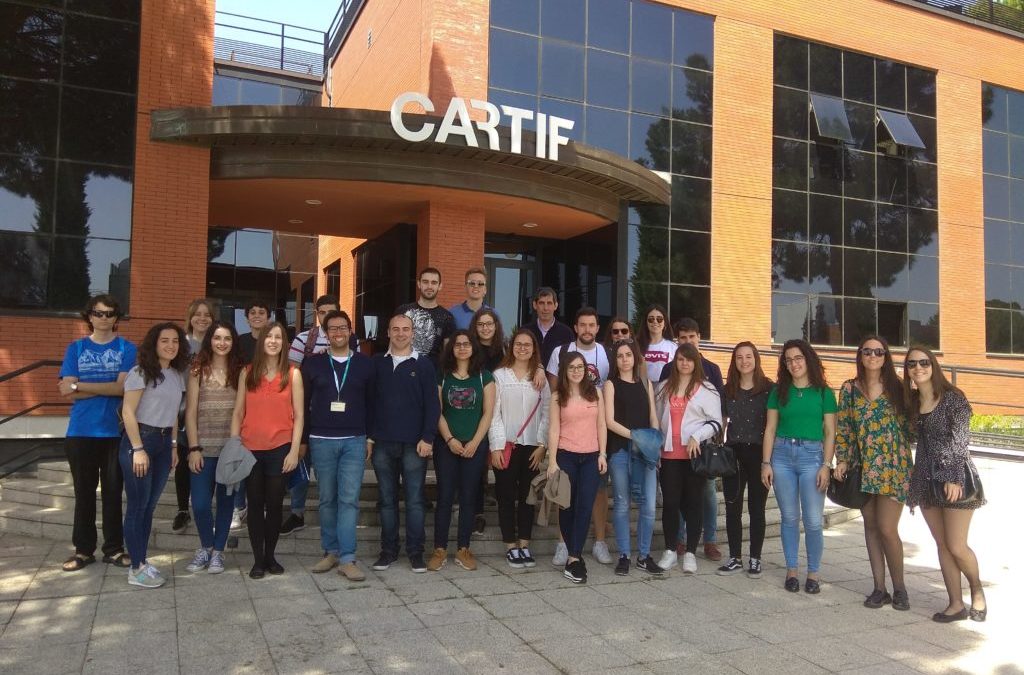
x=456, y=122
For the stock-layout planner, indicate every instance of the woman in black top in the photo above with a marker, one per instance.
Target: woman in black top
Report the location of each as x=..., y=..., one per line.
x=746, y=398
x=488, y=338
x=629, y=405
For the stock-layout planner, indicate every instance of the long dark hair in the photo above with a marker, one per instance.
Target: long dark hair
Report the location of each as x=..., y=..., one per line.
x=203, y=361
x=587, y=389
x=732, y=383
x=610, y=341
x=644, y=333
x=510, y=356
x=260, y=359
x=815, y=370
x=911, y=395
x=494, y=352
x=149, y=362
x=689, y=352
x=448, y=362
x=891, y=383
x=638, y=360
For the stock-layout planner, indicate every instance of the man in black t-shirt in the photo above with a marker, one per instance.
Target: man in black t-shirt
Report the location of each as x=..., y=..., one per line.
x=257, y=313
x=432, y=324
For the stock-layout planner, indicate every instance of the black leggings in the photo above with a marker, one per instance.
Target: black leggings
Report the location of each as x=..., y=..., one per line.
x=748, y=461
x=265, y=492
x=681, y=488
x=182, y=474
x=512, y=485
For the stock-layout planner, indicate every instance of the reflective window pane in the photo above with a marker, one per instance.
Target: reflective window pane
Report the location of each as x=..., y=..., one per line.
x=652, y=87
x=922, y=185
x=694, y=40
x=923, y=322
x=607, y=79
x=1015, y=112
x=826, y=320
x=691, y=203
x=789, y=164
x=608, y=25
x=608, y=129
x=892, y=228
x=923, y=231
x=648, y=215
x=830, y=118
x=790, y=62
x=561, y=70
x=858, y=272
x=692, y=94
x=826, y=70
x=790, y=113
x=893, y=279
x=254, y=92
x=30, y=47
x=789, y=267
x=826, y=220
x=859, y=217
x=920, y=91
x=1017, y=331
x=520, y=15
x=648, y=254
x=1017, y=156
x=858, y=77
x=255, y=248
x=993, y=107
x=23, y=276
x=652, y=31
x=101, y=53
x=892, y=322
x=899, y=128
x=892, y=180
x=691, y=257
x=825, y=269
x=858, y=320
x=126, y=10
x=890, y=84
x=524, y=101
x=997, y=331
x=691, y=149
x=650, y=141
x=826, y=168
x=1017, y=200
x=563, y=19
x=998, y=243
x=28, y=117
x=83, y=112
x=567, y=110
x=862, y=125
x=789, y=215
x=87, y=267
x=220, y=247
x=997, y=197
x=692, y=302
x=94, y=201
x=513, y=61
x=858, y=174
x=925, y=127
x=997, y=285
x=643, y=295
x=924, y=278
x=26, y=194
x=225, y=90
x=789, y=317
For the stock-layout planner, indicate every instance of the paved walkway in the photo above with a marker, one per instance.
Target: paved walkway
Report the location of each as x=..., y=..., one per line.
x=520, y=621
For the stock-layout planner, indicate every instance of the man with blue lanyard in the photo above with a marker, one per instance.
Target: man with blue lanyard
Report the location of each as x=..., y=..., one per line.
x=339, y=391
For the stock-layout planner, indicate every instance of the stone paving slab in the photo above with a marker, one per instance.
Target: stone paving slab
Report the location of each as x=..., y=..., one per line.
x=501, y=620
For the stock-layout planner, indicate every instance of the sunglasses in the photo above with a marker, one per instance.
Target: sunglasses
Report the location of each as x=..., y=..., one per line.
x=869, y=351
x=103, y=314
x=914, y=363
x=655, y=319
x=476, y=284
x=620, y=331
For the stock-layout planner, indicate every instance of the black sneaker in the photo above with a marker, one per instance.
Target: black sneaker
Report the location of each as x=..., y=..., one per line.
x=526, y=558
x=732, y=566
x=900, y=600
x=181, y=521
x=648, y=565
x=576, y=572
x=877, y=598
x=622, y=568
x=293, y=523
x=384, y=561
x=754, y=568
x=513, y=559
x=479, y=525
x=415, y=562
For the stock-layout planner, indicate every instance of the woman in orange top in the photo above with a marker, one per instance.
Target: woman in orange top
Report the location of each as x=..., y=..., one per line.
x=268, y=417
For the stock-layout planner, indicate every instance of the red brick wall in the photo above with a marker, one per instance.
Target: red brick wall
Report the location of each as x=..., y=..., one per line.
x=450, y=237
x=331, y=250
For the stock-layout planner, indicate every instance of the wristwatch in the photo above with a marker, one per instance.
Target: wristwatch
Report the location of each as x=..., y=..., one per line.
x=74, y=386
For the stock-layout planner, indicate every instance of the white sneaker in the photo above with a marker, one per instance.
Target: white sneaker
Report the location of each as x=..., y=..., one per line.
x=140, y=577
x=668, y=560
x=689, y=563
x=601, y=553
x=238, y=518
x=561, y=555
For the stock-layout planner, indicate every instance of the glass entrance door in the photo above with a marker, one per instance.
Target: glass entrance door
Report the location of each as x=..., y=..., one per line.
x=510, y=286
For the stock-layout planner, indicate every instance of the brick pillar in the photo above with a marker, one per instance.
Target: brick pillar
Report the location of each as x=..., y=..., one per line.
x=450, y=237
x=172, y=182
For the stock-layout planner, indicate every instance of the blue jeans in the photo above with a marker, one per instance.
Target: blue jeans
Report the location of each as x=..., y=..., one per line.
x=625, y=471
x=339, y=470
x=391, y=459
x=143, y=493
x=202, y=485
x=710, y=515
x=795, y=465
x=583, y=481
x=298, y=485
x=457, y=475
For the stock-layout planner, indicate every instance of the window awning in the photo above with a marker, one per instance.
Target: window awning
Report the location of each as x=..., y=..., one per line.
x=830, y=116
x=900, y=128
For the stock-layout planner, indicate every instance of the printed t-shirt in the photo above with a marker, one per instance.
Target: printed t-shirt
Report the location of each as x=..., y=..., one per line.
x=96, y=416
x=462, y=402
x=658, y=355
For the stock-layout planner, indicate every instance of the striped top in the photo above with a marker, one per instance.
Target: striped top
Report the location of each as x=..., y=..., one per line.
x=216, y=405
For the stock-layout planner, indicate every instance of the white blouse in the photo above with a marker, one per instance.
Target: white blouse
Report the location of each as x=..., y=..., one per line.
x=514, y=400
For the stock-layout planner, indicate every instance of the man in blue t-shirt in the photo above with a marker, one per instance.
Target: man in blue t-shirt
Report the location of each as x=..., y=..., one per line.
x=92, y=376
x=476, y=289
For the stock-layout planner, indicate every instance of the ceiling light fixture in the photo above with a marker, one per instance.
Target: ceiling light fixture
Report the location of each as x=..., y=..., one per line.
x=314, y=202
x=530, y=225
x=295, y=221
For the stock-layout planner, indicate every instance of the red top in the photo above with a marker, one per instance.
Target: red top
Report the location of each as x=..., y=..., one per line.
x=269, y=417
x=677, y=409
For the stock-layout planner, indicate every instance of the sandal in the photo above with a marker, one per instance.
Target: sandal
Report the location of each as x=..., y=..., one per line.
x=120, y=559
x=77, y=562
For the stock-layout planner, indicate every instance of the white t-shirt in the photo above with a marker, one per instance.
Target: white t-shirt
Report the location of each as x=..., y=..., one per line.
x=658, y=355
x=596, y=358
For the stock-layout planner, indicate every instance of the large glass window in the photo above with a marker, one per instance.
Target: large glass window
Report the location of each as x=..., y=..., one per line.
x=228, y=90
x=636, y=78
x=854, y=207
x=68, y=82
x=1003, y=147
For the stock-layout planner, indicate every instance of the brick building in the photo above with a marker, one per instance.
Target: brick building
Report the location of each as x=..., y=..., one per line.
x=792, y=168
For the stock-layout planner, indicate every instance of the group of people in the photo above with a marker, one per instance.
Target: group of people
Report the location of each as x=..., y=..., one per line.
x=556, y=415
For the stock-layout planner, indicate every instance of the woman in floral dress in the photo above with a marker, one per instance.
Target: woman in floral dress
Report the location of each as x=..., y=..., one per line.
x=871, y=429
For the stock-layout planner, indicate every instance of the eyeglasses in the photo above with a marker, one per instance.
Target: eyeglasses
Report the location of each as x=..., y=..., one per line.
x=485, y=324
x=579, y=367
x=620, y=331
x=923, y=363
x=656, y=319
x=522, y=345
x=103, y=314
x=795, y=359
x=477, y=284
x=338, y=329
x=868, y=351
x=625, y=341
x=463, y=345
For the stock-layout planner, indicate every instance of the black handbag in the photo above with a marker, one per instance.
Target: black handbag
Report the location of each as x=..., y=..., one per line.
x=716, y=460
x=847, y=492
x=973, y=490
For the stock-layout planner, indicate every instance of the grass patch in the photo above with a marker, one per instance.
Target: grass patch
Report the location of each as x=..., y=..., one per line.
x=998, y=424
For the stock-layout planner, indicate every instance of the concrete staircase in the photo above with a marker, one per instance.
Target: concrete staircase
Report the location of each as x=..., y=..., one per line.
x=41, y=504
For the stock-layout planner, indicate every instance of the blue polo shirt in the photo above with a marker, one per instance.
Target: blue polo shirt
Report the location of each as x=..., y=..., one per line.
x=463, y=314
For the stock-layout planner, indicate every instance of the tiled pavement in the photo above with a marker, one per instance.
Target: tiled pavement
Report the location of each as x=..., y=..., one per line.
x=516, y=621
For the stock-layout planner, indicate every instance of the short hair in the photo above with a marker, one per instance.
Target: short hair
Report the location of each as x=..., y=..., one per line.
x=429, y=270
x=327, y=299
x=257, y=303
x=687, y=325
x=586, y=311
x=106, y=299
x=334, y=314
x=399, y=315
x=476, y=270
x=545, y=291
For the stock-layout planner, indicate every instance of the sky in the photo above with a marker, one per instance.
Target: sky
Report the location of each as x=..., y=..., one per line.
x=315, y=14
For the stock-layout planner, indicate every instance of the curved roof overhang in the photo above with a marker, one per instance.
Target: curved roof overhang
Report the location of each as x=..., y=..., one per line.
x=292, y=142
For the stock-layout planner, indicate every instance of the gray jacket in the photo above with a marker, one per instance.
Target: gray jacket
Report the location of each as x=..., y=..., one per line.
x=235, y=463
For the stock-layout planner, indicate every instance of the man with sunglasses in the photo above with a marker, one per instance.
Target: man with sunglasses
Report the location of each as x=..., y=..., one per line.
x=92, y=377
x=476, y=289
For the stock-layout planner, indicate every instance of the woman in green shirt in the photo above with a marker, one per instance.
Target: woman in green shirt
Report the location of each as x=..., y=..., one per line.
x=799, y=442
x=467, y=402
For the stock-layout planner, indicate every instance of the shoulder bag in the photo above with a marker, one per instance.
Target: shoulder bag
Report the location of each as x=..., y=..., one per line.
x=973, y=490
x=716, y=460
x=847, y=492
x=506, y=452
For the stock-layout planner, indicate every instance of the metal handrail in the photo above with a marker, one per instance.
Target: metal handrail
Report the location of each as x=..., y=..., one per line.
x=5, y=377
x=29, y=368
x=991, y=12
x=279, y=56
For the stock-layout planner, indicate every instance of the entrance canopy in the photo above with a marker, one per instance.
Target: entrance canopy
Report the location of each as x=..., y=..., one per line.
x=271, y=165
